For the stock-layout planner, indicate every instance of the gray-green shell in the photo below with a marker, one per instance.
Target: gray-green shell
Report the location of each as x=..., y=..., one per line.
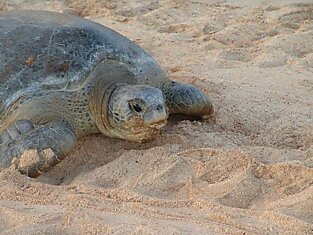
x=45, y=50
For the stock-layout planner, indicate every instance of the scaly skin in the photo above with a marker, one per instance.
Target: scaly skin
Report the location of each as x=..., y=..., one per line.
x=187, y=99
x=58, y=136
x=55, y=119
x=51, y=121
x=64, y=77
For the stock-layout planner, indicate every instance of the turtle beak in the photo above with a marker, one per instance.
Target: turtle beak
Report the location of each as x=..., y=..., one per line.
x=156, y=117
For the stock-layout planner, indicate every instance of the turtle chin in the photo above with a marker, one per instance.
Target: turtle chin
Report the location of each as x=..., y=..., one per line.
x=151, y=132
x=144, y=137
x=139, y=131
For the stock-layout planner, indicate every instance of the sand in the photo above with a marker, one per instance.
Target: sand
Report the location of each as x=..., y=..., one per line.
x=249, y=170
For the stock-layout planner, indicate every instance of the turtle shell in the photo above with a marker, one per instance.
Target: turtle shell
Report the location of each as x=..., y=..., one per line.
x=47, y=49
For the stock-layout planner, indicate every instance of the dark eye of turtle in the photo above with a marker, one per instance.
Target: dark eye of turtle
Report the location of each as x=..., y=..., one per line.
x=137, y=105
x=137, y=108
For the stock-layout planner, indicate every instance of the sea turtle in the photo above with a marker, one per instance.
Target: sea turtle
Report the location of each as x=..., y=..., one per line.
x=63, y=77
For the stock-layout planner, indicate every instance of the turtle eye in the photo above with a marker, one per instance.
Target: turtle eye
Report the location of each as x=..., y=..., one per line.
x=136, y=105
x=137, y=108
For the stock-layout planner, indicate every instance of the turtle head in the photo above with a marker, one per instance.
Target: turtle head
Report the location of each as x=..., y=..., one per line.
x=136, y=112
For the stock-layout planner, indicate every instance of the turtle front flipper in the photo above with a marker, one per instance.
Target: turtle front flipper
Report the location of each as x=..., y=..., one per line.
x=187, y=99
x=36, y=149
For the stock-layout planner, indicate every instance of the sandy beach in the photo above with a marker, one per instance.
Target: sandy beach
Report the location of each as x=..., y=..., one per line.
x=248, y=170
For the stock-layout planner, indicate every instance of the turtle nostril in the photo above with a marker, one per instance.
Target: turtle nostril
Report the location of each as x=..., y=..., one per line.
x=159, y=107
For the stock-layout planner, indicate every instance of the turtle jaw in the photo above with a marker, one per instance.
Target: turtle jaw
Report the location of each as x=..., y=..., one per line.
x=139, y=132
x=158, y=125
x=147, y=127
x=156, y=117
x=154, y=130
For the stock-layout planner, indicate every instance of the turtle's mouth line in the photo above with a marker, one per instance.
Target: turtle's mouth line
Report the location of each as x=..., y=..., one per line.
x=154, y=127
x=158, y=125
